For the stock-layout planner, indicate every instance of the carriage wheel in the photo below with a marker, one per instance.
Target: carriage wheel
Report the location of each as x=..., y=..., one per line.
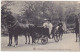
x=56, y=38
x=44, y=40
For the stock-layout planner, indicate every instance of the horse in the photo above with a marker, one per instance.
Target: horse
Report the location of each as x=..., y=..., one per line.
x=15, y=28
x=60, y=31
x=57, y=33
x=76, y=29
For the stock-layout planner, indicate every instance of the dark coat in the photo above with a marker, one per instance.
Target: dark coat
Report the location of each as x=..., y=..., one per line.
x=60, y=30
x=76, y=26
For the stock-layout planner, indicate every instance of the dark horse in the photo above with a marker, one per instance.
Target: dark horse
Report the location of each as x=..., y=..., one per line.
x=59, y=31
x=15, y=29
x=76, y=28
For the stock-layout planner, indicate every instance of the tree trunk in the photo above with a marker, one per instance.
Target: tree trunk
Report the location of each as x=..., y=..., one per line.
x=79, y=33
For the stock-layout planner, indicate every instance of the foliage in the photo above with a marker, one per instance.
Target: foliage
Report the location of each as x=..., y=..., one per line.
x=35, y=11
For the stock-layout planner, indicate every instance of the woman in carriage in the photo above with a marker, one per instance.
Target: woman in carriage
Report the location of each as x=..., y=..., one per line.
x=48, y=27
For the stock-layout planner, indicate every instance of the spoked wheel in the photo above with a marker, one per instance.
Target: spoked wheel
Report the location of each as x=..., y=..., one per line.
x=56, y=38
x=44, y=40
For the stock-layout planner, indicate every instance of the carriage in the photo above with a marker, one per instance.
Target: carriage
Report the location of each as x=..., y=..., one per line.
x=42, y=34
x=36, y=32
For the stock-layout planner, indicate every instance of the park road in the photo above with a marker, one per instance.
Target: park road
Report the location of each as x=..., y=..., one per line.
x=68, y=43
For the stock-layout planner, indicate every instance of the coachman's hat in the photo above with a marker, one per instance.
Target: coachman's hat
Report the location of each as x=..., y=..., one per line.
x=45, y=19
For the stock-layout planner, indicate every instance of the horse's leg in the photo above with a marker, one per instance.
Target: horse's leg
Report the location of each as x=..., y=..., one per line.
x=33, y=40
x=10, y=40
x=38, y=40
x=29, y=39
x=58, y=36
x=15, y=40
x=76, y=37
x=61, y=35
x=53, y=35
x=26, y=39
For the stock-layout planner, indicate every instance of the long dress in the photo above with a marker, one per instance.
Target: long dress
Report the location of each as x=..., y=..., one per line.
x=77, y=27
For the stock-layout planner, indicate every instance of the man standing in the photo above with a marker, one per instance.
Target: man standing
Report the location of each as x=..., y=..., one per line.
x=47, y=24
x=76, y=28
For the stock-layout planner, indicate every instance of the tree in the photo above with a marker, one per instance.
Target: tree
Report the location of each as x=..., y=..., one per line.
x=34, y=11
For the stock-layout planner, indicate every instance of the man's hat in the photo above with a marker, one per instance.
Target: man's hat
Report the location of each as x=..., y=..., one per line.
x=45, y=19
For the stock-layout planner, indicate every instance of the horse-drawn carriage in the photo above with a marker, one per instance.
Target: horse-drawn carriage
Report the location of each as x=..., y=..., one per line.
x=42, y=34
x=36, y=32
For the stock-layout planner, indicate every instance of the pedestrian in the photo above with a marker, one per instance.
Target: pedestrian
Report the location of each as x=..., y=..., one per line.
x=76, y=28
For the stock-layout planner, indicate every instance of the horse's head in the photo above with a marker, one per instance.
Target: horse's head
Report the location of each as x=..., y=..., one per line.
x=9, y=20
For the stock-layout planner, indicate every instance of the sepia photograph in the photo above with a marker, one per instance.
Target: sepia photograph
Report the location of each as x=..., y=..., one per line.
x=40, y=25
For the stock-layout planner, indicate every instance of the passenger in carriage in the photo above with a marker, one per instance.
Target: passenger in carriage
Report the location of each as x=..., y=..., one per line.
x=47, y=24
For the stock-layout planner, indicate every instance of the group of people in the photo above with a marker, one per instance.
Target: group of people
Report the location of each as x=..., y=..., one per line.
x=49, y=25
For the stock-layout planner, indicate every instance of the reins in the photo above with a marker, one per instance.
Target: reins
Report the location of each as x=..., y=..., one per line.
x=13, y=25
